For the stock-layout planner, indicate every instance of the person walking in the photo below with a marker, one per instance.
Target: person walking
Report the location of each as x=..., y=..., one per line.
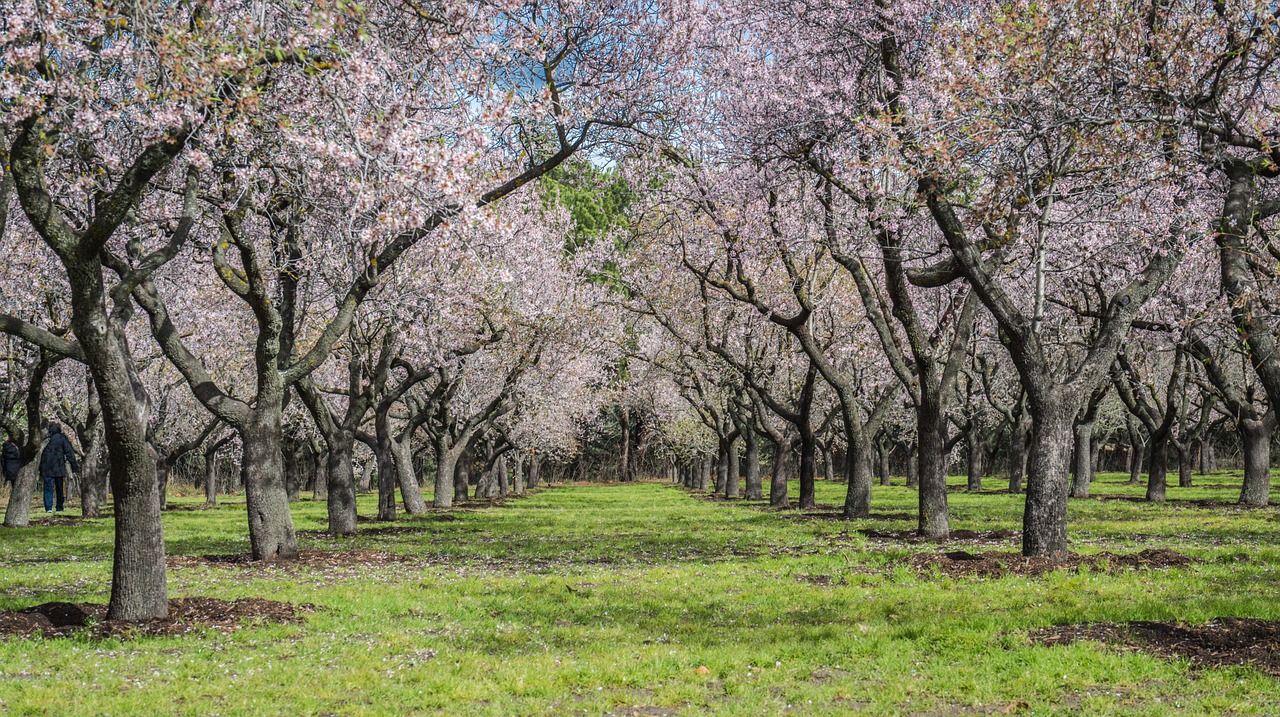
x=10, y=460
x=53, y=467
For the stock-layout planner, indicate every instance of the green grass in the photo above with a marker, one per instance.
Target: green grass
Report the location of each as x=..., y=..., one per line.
x=596, y=600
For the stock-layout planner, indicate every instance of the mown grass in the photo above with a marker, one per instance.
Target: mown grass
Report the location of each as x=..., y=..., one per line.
x=607, y=600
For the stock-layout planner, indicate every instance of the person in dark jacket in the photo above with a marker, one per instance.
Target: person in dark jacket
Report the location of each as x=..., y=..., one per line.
x=10, y=460
x=53, y=466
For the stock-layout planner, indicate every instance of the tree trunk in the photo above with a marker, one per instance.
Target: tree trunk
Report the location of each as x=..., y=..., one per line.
x=1017, y=456
x=808, y=467
x=446, y=467
x=319, y=474
x=857, y=468
x=1256, y=435
x=162, y=481
x=1082, y=462
x=271, y=534
x=504, y=486
x=18, y=512
x=1044, y=518
x=912, y=467
x=1184, y=466
x=293, y=473
x=1202, y=453
x=778, y=484
x=755, y=486
x=211, y=479
x=973, y=465
x=828, y=469
x=91, y=480
x=882, y=462
x=386, y=480
x=517, y=473
x=931, y=429
x=341, y=499
x=722, y=471
x=410, y=490
x=704, y=480
x=535, y=470
x=462, y=475
x=366, y=476
x=733, y=481
x=625, y=468
x=1157, y=477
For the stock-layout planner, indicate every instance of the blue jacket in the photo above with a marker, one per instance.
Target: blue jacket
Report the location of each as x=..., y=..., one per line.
x=56, y=454
x=11, y=461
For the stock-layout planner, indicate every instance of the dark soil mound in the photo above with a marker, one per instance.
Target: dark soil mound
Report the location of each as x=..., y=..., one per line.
x=306, y=559
x=956, y=536
x=839, y=515
x=959, y=563
x=58, y=520
x=186, y=615
x=1222, y=642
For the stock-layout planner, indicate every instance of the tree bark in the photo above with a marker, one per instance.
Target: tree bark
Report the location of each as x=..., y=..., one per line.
x=410, y=490
x=973, y=464
x=1045, y=513
x=778, y=484
x=341, y=499
x=271, y=533
x=1082, y=462
x=1157, y=475
x=1256, y=435
x=754, y=484
x=882, y=463
x=733, y=481
x=625, y=467
x=931, y=429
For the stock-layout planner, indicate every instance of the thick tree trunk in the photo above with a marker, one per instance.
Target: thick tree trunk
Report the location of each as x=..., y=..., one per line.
x=319, y=474
x=1202, y=453
x=446, y=466
x=1082, y=462
x=504, y=485
x=912, y=467
x=778, y=484
x=91, y=481
x=704, y=480
x=162, y=481
x=271, y=534
x=754, y=484
x=462, y=475
x=882, y=462
x=722, y=471
x=410, y=490
x=294, y=473
x=1017, y=456
x=1044, y=518
x=1256, y=435
x=973, y=465
x=18, y=512
x=808, y=467
x=1157, y=476
x=1184, y=467
x=857, y=500
x=211, y=479
x=366, y=476
x=828, y=465
x=341, y=499
x=387, y=477
x=535, y=470
x=733, y=481
x=931, y=429
x=517, y=473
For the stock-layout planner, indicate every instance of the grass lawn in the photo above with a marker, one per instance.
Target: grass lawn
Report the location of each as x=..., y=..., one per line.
x=600, y=600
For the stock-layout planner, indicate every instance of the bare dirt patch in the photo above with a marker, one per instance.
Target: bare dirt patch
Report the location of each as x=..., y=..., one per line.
x=306, y=559
x=956, y=536
x=1182, y=502
x=1221, y=642
x=960, y=563
x=55, y=520
x=186, y=615
x=839, y=515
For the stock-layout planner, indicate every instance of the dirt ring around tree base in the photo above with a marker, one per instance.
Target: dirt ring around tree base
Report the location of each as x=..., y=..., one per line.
x=186, y=615
x=955, y=536
x=960, y=563
x=305, y=559
x=1221, y=642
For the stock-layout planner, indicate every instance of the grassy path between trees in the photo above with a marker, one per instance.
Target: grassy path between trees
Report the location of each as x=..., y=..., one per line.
x=610, y=599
